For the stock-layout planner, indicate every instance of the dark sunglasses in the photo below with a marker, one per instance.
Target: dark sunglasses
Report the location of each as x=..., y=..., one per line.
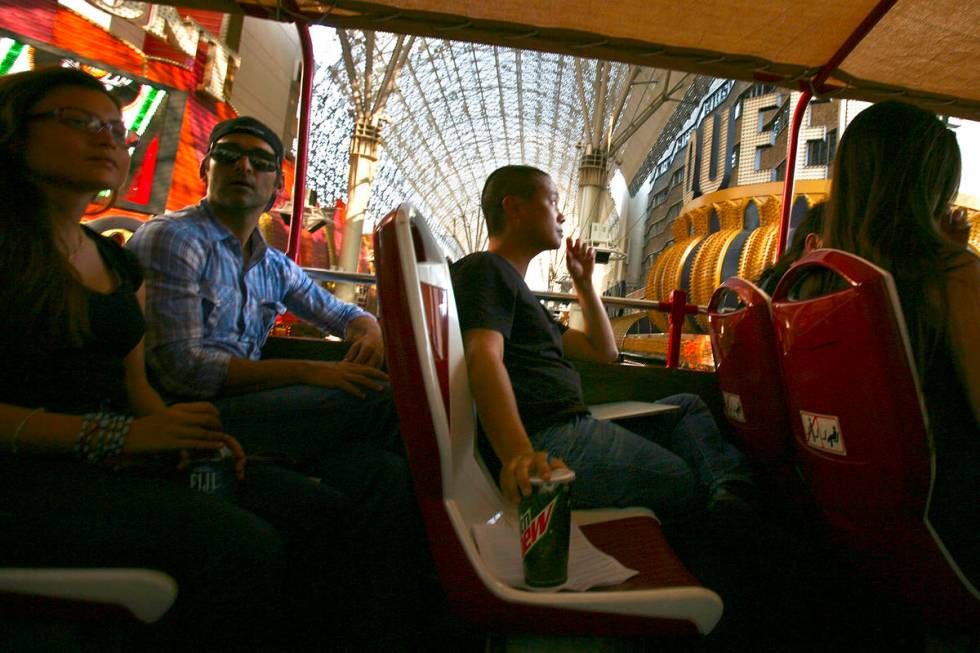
x=227, y=154
x=83, y=121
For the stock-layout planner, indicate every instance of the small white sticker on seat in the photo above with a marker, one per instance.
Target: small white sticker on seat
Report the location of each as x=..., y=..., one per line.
x=733, y=407
x=823, y=432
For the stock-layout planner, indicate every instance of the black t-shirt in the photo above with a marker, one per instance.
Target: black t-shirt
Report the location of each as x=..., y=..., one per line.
x=78, y=380
x=490, y=294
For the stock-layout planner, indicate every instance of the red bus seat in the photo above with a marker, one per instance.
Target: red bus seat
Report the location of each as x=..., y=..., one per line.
x=744, y=344
x=860, y=429
x=743, y=340
x=429, y=379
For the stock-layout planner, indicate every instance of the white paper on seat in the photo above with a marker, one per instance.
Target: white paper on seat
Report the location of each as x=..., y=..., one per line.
x=627, y=409
x=499, y=545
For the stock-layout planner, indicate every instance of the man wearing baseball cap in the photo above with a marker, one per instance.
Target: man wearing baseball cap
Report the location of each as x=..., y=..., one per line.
x=214, y=288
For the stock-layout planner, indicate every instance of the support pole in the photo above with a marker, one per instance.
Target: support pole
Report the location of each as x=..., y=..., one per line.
x=789, y=182
x=678, y=311
x=363, y=162
x=593, y=172
x=816, y=85
x=302, y=153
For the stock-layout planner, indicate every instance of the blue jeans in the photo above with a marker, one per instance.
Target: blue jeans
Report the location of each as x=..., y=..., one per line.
x=354, y=446
x=311, y=423
x=250, y=574
x=668, y=463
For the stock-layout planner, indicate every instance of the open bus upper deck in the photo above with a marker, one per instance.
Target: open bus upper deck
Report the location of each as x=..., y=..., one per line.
x=920, y=51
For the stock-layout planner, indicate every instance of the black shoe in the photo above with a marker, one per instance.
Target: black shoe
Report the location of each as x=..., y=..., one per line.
x=734, y=504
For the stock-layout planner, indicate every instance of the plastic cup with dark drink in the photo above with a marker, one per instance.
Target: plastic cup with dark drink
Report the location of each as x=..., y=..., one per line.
x=214, y=473
x=545, y=520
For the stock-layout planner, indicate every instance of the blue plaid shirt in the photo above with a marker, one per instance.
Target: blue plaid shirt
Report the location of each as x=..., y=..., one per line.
x=205, y=304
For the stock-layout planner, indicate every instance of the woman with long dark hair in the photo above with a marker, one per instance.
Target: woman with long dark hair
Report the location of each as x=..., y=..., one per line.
x=79, y=422
x=896, y=174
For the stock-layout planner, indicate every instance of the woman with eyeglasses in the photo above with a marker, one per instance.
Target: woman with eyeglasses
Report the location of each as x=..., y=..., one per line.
x=79, y=422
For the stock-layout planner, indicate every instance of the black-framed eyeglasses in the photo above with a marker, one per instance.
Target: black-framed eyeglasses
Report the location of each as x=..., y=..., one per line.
x=230, y=154
x=84, y=121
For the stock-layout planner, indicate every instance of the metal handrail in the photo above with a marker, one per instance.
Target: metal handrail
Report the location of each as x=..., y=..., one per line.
x=321, y=274
x=628, y=302
x=677, y=307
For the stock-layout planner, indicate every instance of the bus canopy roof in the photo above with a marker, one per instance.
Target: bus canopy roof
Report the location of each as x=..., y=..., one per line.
x=922, y=51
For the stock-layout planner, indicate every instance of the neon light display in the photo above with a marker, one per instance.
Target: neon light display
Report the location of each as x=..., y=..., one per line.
x=141, y=104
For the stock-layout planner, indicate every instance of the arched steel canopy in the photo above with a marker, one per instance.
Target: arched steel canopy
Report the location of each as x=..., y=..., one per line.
x=460, y=110
x=923, y=51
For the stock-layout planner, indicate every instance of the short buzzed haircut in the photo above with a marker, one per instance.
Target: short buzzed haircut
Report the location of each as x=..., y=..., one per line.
x=508, y=180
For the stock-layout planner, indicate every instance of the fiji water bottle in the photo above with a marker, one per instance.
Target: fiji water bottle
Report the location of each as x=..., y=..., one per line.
x=214, y=473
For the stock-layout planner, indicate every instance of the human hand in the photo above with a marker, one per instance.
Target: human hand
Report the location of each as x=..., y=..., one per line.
x=364, y=334
x=349, y=377
x=956, y=226
x=181, y=426
x=366, y=349
x=515, y=476
x=579, y=259
x=186, y=457
x=238, y=454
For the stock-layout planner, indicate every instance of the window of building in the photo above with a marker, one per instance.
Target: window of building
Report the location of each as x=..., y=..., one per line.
x=715, y=147
x=817, y=151
x=677, y=177
x=758, y=157
x=760, y=89
x=659, y=198
x=766, y=114
x=735, y=151
x=779, y=172
x=831, y=145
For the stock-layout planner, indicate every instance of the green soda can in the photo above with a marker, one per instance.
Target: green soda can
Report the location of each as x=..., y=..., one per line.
x=545, y=524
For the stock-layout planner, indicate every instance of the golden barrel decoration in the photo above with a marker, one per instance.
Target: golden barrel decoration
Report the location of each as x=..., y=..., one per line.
x=732, y=232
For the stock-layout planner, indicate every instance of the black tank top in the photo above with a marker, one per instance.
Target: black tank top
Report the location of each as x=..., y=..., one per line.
x=78, y=380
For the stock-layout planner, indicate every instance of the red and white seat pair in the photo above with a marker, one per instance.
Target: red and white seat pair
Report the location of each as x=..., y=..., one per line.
x=825, y=380
x=431, y=387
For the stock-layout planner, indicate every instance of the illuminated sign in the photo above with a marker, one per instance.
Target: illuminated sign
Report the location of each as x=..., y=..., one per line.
x=143, y=108
x=717, y=93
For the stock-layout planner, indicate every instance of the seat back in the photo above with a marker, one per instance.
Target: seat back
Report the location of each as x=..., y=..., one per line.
x=746, y=362
x=860, y=425
x=438, y=423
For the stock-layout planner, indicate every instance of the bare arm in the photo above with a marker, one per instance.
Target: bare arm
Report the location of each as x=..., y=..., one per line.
x=39, y=432
x=497, y=407
x=597, y=343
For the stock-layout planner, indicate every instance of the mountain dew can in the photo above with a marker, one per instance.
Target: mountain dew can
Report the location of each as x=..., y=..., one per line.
x=545, y=525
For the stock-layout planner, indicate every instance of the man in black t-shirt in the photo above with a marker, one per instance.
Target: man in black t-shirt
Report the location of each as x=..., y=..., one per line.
x=528, y=395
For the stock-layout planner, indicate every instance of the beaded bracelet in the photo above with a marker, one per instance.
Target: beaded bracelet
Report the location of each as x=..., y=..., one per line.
x=102, y=435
